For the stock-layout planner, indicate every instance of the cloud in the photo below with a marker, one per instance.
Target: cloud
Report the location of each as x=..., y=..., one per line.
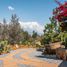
x=30, y=26
x=10, y=8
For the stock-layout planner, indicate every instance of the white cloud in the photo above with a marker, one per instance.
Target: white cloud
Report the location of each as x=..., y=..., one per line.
x=10, y=8
x=30, y=26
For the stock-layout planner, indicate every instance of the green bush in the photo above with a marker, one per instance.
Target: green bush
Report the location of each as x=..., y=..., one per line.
x=4, y=47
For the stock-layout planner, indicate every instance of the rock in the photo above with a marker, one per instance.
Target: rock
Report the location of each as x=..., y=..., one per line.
x=17, y=46
x=61, y=53
x=51, y=48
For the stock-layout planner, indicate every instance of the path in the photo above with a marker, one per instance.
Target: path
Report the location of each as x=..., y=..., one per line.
x=26, y=57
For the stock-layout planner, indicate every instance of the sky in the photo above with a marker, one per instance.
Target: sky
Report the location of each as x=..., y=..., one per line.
x=33, y=14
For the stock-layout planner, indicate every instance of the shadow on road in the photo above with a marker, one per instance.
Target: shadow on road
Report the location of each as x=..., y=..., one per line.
x=47, y=56
x=63, y=64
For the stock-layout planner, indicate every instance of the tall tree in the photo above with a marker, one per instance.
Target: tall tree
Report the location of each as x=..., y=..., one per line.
x=1, y=30
x=34, y=35
x=14, y=30
x=26, y=35
x=4, y=30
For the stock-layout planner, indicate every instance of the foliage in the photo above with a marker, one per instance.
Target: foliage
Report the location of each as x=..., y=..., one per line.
x=4, y=47
x=46, y=39
x=51, y=32
x=14, y=33
x=34, y=35
x=14, y=30
x=63, y=37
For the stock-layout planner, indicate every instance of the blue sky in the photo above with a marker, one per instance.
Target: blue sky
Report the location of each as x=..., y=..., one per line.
x=28, y=10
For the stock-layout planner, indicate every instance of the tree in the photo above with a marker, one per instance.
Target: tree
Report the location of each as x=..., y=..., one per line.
x=51, y=32
x=14, y=30
x=34, y=35
x=5, y=30
x=1, y=30
x=26, y=35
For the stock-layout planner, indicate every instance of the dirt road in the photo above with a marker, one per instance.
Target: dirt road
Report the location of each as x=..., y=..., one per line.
x=25, y=57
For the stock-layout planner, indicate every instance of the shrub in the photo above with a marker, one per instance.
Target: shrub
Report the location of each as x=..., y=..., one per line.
x=4, y=47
